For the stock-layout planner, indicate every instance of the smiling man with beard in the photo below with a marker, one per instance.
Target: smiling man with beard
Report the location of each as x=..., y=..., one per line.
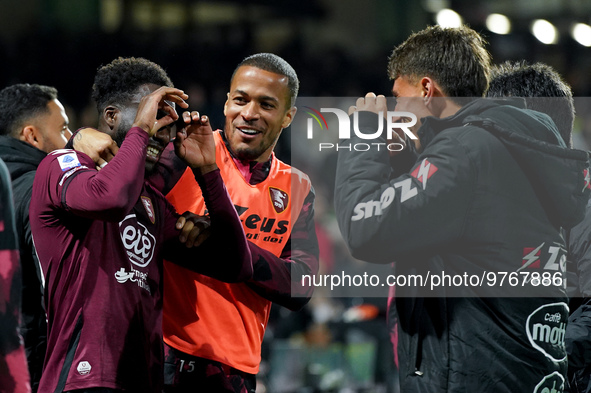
x=101, y=236
x=214, y=330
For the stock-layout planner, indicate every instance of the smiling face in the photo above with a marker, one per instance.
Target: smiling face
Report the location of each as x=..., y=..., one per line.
x=124, y=121
x=257, y=110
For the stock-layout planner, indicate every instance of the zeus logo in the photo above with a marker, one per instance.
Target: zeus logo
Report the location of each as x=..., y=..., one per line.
x=375, y=208
x=345, y=123
x=424, y=171
x=530, y=259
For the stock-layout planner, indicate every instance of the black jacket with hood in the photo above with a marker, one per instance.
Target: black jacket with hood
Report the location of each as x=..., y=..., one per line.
x=487, y=196
x=22, y=161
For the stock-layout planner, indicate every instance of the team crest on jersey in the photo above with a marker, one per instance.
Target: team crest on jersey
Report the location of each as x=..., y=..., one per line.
x=147, y=202
x=279, y=199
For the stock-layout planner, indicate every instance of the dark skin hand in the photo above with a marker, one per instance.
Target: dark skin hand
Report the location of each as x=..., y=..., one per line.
x=194, y=143
x=195, y=229
x=147, y=111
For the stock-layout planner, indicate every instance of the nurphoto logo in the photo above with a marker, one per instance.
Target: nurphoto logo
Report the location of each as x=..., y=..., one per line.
x=394, y=121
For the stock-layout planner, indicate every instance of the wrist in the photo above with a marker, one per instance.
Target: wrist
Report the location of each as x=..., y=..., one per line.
x=143, y=126
x=205, y=169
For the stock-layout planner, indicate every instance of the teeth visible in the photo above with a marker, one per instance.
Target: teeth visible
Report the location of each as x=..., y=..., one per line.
x=249, y=132
x=153, y=151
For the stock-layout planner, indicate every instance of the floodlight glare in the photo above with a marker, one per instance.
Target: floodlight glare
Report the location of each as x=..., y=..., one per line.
x=544, y=31
x=581, y=32
x=498, y=23
x=448, y=18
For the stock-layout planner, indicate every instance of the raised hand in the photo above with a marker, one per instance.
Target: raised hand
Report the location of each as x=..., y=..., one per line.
x=194, y=143
x=371, y=103
x=147, y=111
x=97, y=145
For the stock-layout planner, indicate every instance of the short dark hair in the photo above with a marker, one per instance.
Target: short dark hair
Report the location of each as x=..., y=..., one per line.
x=551, y=94
x=273, y=63
x=118, y=81
x=22, y=102
x=454, y=57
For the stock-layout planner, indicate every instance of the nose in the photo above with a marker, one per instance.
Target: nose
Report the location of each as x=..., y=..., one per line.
x=250, y=111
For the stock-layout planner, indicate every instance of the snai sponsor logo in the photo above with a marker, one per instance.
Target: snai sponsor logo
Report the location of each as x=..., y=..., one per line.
x=546, y=328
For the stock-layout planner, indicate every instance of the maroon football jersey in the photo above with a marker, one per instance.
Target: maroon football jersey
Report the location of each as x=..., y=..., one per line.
x=100, y=238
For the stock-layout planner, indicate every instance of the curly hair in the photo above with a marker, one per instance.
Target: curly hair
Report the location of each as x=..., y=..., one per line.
x=544, y=89
x=118, y=81
x=21, y=103
x=275, y=64
x=454, y=57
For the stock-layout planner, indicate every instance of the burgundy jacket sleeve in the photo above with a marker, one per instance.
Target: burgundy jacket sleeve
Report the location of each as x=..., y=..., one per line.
x=279, y=279
x=106, y=195
x=224, y=255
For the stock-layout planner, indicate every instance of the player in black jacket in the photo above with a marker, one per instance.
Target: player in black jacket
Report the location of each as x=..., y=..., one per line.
x=486, y=196
x=33, y=123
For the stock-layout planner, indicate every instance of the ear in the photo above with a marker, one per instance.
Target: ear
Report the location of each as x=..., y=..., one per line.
x=289, y=117
x=427, y=86
x=32, y=135
x=111, y=116
x=226, y=103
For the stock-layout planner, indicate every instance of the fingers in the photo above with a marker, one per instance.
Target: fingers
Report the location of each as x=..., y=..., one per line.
x=197, y=235
x=170, y=94
x=194, y=117
x=180, y=223
x=159, y=99
x=108, y=152
x=185, y=234
x=194, y=229
x=111, y=151
x=202, y=237
x=371, y=103
x=204, y=120
x=100, y=164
